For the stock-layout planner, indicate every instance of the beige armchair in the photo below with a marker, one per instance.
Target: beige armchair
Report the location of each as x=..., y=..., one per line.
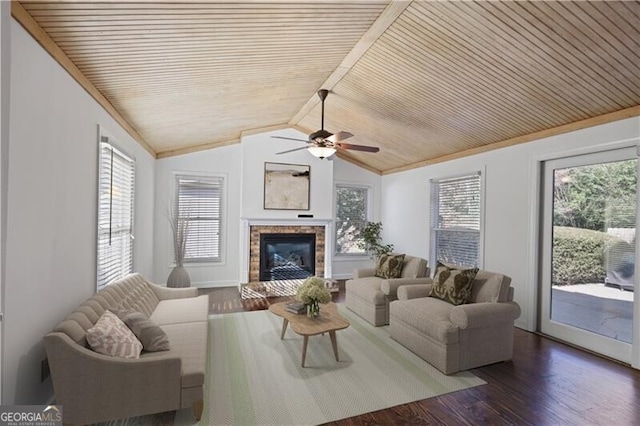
x=369, y=296
x=454, y=338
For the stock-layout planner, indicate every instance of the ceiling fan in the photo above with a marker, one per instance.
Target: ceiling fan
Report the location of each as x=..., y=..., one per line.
x=323, y=144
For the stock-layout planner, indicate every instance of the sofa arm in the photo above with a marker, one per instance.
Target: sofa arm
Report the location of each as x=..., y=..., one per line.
x=94, y=386
x=164, y=293
x=414, y=291
x=476, y=315
x=390, y=286
x=363, y=273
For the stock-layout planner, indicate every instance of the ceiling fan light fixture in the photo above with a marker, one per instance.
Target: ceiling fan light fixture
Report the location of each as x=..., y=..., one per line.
x=321, y=151
x=320, y=135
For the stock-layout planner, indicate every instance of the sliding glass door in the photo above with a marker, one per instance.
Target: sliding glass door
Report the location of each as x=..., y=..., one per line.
x=589, y=251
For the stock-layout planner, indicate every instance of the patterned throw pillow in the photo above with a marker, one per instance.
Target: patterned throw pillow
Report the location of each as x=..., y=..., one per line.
x=110, y=336
x=389, y=266
x=451, y=284
x=152, y=337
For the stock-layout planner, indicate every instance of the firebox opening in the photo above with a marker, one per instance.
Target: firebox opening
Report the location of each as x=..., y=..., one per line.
x=287, y=256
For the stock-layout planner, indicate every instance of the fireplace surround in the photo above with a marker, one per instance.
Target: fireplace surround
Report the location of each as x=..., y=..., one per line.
x=250, y=243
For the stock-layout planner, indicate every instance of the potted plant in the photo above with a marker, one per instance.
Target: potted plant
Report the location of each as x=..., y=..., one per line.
x=179, y=276
x=372, y=241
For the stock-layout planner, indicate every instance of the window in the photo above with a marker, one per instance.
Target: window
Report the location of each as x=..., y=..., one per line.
x=115, y=213
x=351, y=215
x=199, y=203
x=455, y=220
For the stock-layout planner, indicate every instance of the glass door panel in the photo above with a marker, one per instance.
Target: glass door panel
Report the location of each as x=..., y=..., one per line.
x=589, y=251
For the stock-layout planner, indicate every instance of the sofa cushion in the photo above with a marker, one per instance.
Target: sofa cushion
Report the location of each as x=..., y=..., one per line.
x=110, y=336
x=175, y=311
x=74, y=330
x=93, y=305
x=152, y=337
x=367, y=288
x=490, y=287
x=188, y=342
x=389, y=265
x=414, y=267
x=451, y=284
x=133, y=292
x=428, y=315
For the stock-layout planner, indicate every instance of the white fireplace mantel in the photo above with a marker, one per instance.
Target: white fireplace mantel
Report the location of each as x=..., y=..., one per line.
x=246, y=223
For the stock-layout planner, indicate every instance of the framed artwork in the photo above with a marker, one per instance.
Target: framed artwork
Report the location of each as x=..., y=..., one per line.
x=286, y=186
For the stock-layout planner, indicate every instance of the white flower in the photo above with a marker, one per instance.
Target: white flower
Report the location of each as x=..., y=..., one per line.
x=313, y=289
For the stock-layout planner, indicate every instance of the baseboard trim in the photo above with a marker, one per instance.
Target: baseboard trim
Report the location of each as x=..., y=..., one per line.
x=215, y=284
x=341, y=276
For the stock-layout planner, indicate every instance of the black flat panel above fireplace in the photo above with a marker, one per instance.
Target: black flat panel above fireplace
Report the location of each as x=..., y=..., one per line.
x=287, y=256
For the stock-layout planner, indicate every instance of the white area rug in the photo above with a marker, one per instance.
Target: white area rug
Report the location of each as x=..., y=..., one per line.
x=256, y=378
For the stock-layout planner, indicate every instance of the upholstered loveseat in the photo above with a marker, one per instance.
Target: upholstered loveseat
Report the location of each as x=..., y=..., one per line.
x=368, y=295
x=93, y=387
x=454, y=338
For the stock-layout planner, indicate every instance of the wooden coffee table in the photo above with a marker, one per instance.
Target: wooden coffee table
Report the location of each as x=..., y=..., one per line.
x=329, y=321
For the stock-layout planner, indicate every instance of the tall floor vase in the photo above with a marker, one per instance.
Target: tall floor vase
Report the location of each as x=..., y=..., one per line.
x=179, y=277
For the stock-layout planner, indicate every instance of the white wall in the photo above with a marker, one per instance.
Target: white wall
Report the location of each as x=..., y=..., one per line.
x=347, y=173
x=261, y=148
x=225, y=161
x=510, y=202
x=52, y=197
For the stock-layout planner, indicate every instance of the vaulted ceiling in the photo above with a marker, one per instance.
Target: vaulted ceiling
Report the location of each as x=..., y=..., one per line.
x=425, y=81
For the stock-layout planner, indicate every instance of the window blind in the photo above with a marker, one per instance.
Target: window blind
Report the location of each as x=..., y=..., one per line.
x=351, y=217
x=115, y=214
x=455, y=220
x=199, y=203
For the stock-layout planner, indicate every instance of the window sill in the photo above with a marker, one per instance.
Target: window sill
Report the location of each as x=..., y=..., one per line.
x=191, y=265
x=350, y=257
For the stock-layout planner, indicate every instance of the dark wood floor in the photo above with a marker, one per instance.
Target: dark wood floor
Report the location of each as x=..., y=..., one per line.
x=546, y=383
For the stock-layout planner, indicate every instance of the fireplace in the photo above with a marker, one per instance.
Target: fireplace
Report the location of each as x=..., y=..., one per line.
x=250, y=265
x=287, y=256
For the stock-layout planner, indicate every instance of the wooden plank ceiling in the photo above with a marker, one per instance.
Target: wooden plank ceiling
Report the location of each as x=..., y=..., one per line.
x=444, y=79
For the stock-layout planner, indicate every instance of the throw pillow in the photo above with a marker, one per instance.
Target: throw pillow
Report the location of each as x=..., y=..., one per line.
x=110, y=336
x=152, y=337
x=451, y=284
x=389, y=266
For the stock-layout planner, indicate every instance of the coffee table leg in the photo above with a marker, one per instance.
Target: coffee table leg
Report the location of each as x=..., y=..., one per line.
x=285, y=323
x=304, y=349
x=334, y=343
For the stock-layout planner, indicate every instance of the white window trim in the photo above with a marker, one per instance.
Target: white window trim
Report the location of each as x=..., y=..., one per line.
x=481, y=243
x=105, y=137
x=222, y=261
x=346, y=257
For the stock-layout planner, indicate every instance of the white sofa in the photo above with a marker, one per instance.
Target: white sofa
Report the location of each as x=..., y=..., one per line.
x=93, y=387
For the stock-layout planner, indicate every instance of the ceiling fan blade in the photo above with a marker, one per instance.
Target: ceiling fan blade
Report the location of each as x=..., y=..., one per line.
x=290, y=139
x=340, y=136
x=357, y=147
x=292, y=150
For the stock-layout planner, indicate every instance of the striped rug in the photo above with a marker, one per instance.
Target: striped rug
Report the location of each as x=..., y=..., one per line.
x=256, y=378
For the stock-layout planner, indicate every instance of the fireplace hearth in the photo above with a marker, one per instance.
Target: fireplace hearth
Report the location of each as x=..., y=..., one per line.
x=287, y=256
